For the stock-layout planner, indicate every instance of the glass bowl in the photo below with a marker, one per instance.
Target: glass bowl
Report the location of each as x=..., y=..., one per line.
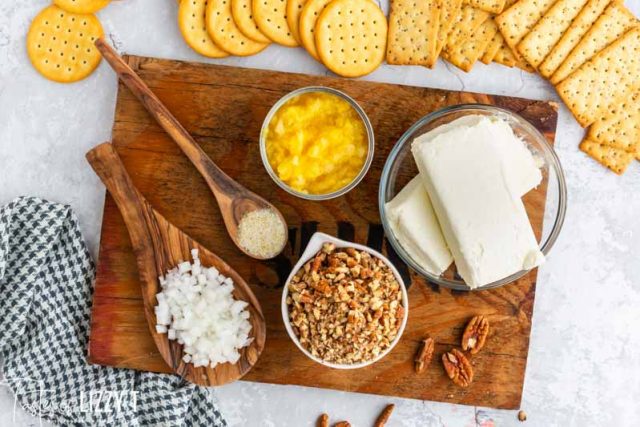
x=365, y=166
x=400, y=168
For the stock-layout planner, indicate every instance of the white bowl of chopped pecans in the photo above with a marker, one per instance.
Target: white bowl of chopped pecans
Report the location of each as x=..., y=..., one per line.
x=344, y=305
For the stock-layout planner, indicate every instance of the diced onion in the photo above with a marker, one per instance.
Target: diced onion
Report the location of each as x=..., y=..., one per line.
x=196, y=307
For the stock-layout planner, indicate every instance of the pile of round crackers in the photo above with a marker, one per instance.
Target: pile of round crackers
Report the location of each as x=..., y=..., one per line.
x=347, y=36
x=60, y=41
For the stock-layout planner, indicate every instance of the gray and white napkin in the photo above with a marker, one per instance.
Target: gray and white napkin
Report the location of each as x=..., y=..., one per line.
x=46, y=282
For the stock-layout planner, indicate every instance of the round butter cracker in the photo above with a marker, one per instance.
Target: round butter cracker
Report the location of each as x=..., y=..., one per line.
x=351, y=37
x=192, y=23
x=61, y=46
x=308, y=19
x=225, y=33
x=294, y=8
x=81, y=6
x=271, y=17
x=243, y=16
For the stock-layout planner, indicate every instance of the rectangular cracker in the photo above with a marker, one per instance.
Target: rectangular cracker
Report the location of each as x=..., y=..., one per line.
x=505, y=56
x=611, y=75
x=412, y=33
x=468, y=21
x=450, y=10
x=525, y=66
x=465, y=54
x=517, y=21
x=493, y=47
x=537, y=44
x=585, y=19
x=614, y=22
x=491, y=6
x=620, y=128
x=615, y=159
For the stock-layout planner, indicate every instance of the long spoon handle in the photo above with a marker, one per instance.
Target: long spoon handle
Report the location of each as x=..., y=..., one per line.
x=148, y=237
x=218, y=181
x=136, y=211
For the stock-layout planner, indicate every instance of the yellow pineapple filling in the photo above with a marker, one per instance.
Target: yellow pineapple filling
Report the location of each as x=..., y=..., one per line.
x=316, y=143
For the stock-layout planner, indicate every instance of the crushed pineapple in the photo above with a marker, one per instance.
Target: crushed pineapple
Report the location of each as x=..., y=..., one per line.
x=316, y=143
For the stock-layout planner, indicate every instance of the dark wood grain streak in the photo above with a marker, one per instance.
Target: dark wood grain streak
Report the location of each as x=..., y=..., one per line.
x=223, y=107
x=158, y=247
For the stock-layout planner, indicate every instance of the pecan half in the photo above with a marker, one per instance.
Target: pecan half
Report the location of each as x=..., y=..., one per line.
x=458, y=367
x=384, y=416
x=475, y=334
x=424, y=354
x=342, y=424
x=323, y=421
x=522, y=416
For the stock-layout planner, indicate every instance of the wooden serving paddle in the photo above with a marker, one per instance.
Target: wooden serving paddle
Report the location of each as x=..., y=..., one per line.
x=235, y=201
x=160, y=246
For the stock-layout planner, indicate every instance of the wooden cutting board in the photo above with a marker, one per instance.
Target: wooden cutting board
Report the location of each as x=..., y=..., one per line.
x=223, y=108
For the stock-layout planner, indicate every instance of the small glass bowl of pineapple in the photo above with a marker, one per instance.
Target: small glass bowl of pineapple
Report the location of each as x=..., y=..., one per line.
x=316, y=143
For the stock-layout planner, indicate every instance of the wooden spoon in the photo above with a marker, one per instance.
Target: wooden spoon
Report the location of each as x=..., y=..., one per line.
x=160, y=246
x=235, y=201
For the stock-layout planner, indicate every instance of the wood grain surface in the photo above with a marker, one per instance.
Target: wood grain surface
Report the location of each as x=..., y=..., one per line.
x=223, y=108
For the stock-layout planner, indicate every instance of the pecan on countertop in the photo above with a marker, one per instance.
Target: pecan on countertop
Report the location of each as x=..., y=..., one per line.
x=384, y=416
x=323, y=421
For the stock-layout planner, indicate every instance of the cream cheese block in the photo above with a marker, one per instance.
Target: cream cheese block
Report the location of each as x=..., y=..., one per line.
x=415, y=225
x=475, y=190
x=520, y=166
x=411, y=216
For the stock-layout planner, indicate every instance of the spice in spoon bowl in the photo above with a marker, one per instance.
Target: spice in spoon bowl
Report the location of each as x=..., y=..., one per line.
x=262, y=233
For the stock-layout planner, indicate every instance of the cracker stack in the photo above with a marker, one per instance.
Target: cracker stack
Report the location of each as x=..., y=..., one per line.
x=355, y=44
x=347, y=36
x=460, y=31
x=590, y=51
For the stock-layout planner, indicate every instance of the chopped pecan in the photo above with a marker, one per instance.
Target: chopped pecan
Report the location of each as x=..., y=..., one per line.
x=384, y=416
x=458, y=367
x=522, y=416
x=399, y=316
x=475, y=334
x=317, y=261
x=424, y=355
x=323, y=421
x=340, y=314
x=342, y=424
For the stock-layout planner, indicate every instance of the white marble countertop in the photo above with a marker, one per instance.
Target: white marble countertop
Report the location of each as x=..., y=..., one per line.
x=584, y=358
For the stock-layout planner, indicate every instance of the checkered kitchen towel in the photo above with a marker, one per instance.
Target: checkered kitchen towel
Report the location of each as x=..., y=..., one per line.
x=46, y=277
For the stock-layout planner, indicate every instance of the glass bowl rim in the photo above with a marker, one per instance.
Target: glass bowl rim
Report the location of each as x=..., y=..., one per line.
x=370, y=143
x=553, y=161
